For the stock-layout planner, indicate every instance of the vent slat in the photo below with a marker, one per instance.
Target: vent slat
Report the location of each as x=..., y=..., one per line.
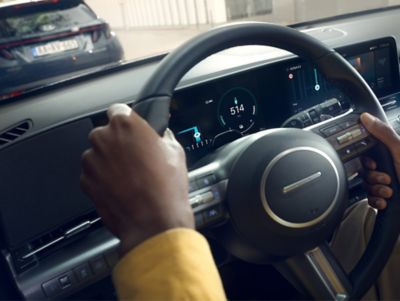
x=14, y=133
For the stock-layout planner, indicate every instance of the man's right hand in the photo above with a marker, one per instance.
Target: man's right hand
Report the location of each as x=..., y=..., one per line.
x=379, y=191
x=137, y=179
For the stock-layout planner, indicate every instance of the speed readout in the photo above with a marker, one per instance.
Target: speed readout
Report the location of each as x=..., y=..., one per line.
x=237, y=109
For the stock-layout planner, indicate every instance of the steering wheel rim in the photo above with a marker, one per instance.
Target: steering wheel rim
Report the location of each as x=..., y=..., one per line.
x=154, y=101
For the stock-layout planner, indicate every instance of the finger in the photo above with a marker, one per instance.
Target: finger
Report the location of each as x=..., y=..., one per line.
x=380, y=191
x=377, y=177
x=168, y=134
x=86, y=184
x=381, y=131
x=377, y=203
x=369, y=163
x=96, y=137
x=88, y=163
x=118, y=109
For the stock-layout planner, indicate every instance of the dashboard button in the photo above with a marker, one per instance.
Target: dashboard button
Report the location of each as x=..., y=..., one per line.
x=295, y=123
x=83, y=273
x=99, y=266
x=65, y=281
x=314, y=116
x=52, y=288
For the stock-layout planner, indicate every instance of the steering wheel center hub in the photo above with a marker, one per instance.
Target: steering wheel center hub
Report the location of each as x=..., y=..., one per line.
x=299, y=187
x=285, y=183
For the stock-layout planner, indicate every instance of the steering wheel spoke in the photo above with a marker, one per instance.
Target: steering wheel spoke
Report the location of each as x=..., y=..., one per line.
x=317, y=273
x=347, y=136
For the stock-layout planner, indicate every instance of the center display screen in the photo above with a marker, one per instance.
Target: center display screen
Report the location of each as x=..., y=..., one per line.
x=211, y=114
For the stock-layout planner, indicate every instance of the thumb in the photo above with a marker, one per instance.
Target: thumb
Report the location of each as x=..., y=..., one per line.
x=381, y=131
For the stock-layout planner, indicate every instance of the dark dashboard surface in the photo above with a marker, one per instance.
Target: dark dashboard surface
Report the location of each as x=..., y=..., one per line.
x=231, y=94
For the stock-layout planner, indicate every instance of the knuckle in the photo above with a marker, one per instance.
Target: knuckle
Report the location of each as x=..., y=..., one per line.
x=86, y=155
x=121, y=121
x=95, y=136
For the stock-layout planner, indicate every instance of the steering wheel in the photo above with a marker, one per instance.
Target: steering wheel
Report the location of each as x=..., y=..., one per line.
x=278, y=195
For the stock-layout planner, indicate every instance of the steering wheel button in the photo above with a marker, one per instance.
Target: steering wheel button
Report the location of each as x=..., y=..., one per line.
x=207, y=197
x=349, y=123
x=198, y=220
x=195, y=201
x=193, y=186
x=206, y=181
x=364, y=144
x=331, y=130
x=348, y=152
x=356, y=133
x=212, y=214
x=342, y=139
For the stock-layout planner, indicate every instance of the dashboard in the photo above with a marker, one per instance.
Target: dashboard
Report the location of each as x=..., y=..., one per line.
x=52, y=243
x=288, y=93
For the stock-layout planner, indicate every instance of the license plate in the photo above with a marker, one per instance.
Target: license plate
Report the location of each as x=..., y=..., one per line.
x=54, y=47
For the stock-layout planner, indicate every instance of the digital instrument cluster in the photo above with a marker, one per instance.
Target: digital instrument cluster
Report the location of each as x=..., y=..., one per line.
x=290, y=93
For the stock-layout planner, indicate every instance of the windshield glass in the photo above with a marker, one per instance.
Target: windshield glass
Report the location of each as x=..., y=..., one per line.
x=45, y=41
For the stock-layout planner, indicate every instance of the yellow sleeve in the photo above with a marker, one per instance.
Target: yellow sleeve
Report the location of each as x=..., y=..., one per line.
x=174, y=265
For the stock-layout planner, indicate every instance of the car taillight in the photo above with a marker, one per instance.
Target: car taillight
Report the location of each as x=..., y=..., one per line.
x=95, y=36
x=107, y=31
x=7, y=54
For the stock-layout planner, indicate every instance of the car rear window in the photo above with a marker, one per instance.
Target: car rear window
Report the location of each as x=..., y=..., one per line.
x=43, y=20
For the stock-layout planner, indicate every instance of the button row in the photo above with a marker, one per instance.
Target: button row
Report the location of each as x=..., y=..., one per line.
x=72, y=279
x=356, y=149
x=334, y=129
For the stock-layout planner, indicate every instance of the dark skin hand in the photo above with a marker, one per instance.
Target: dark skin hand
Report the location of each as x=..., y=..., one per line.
x=136, y=179
x=379, y=191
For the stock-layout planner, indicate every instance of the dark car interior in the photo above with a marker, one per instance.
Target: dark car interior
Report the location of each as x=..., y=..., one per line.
x=53, y=244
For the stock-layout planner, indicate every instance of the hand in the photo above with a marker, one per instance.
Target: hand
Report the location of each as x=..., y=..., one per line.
x=379, y=191
x=377, y=182
x=136, y=179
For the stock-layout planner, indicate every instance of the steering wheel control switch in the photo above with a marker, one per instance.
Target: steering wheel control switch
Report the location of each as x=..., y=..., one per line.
x=206, y=200
x=348, y=137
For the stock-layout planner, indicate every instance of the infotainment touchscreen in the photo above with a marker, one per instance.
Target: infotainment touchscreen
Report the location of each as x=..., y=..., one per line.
x=40, y=183
x=376, y=61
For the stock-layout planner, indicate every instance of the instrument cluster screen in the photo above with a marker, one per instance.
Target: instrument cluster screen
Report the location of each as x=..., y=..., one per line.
x=209, y=115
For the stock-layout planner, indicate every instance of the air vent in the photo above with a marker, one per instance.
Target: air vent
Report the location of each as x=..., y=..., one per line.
x=15, y=132
x=34, y=251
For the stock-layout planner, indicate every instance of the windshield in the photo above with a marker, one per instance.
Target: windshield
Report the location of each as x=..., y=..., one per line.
x=45, y=41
